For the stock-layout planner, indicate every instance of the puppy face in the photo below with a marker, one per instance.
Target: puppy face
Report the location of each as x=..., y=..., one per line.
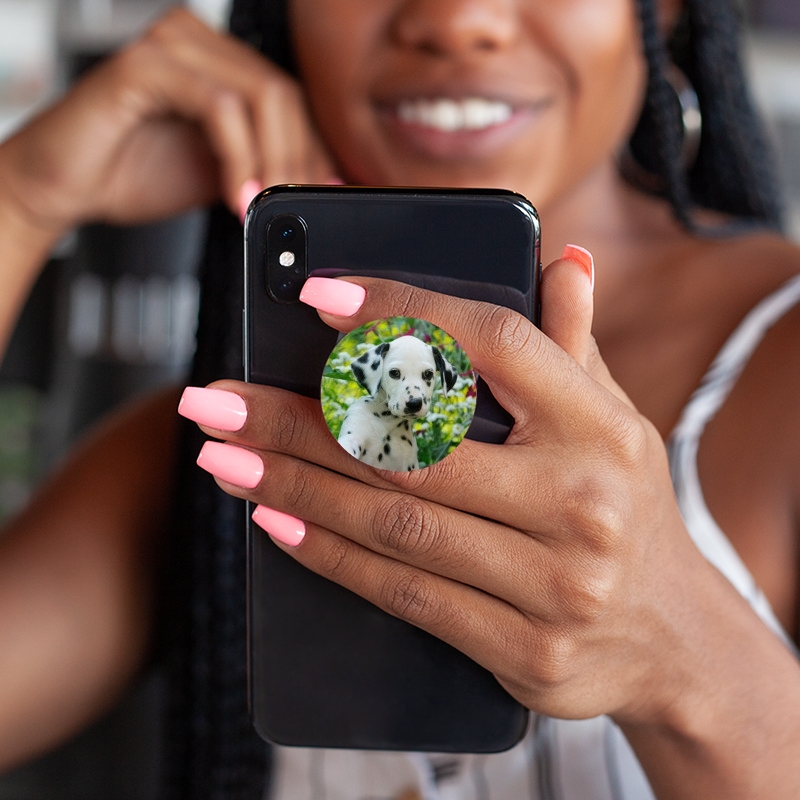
x=404, y=370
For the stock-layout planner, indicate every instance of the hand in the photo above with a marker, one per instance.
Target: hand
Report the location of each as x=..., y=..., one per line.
x=177, y=119
x=551, y=559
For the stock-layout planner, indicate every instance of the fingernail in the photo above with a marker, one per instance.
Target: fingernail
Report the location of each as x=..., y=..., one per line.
x=580, y=255
x=232, y=464
x=250, y=188
x=280, y=526
x=334, y=180
x=216, y=408
x=334, y=296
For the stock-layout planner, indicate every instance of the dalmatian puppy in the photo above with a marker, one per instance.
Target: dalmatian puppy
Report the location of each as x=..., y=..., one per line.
x=400, y=377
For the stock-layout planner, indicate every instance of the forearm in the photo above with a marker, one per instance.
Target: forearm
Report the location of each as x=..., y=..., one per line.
x=77, y=579
x=24, y=248
x=733, y=730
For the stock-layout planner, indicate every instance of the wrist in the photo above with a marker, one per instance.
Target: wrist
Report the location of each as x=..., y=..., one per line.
x=729, y=691
x=25, y=244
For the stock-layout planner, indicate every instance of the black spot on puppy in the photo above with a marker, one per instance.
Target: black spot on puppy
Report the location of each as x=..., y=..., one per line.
x=375, y=364
x=387, y=449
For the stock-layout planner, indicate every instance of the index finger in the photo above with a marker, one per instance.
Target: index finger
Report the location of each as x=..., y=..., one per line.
x=522, y=366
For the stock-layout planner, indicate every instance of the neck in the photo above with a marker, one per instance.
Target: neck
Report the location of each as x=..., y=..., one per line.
x=606, y=215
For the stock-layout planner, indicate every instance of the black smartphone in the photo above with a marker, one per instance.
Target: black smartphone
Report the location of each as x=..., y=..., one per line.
x=327, y=668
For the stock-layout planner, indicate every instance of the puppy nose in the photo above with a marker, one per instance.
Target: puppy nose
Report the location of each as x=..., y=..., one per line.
x=412, y=406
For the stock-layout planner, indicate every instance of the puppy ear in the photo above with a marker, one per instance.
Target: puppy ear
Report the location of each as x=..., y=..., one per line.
x=446, y=370
x=368, y=367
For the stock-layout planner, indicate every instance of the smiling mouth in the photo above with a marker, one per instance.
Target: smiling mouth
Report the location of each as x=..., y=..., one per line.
x=451, y=116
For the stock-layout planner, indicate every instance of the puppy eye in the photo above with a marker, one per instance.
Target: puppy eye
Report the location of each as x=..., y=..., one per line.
x=427, y=375
x=394, y=373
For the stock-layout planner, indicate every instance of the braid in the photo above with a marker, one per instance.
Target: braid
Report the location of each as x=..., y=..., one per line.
x=265, y=25
x=656, y=143
x=732, y=173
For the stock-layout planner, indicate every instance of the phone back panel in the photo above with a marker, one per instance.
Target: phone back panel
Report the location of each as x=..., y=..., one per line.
x=327, y=668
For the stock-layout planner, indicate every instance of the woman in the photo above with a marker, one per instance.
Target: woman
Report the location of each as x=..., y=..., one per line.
x=576, y=576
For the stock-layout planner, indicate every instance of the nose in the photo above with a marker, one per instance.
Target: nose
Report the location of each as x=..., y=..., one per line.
x=449, y=27
x=412, y=406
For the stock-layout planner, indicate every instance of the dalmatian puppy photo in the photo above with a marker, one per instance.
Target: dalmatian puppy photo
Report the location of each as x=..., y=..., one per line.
x=401, y=379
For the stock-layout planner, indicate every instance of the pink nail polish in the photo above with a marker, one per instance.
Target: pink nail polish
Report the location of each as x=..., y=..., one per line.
x=341, y=298
x=232, y=464
x=249, y=190
x=280, y=526
x=216, y=408
x=580, y=255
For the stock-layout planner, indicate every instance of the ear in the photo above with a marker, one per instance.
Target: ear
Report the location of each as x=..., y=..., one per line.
x=446, y=370
x=368, y=367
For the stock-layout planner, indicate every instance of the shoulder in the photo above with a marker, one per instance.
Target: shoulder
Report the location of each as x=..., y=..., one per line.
x=749, y=457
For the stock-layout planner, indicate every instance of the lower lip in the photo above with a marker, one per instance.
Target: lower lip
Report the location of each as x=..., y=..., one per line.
x=459, y=145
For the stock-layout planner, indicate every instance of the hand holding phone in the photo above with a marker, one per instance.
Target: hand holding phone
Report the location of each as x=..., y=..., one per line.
x=350, y=674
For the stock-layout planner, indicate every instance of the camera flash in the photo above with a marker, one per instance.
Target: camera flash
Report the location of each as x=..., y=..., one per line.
x=286, y=258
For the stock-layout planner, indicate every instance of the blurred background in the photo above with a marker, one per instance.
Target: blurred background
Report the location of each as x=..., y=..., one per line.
x=114, y=314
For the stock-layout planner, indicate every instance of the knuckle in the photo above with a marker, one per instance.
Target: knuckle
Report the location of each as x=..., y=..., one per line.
x=594, y=513
x=287, y=427
x=553, y=660
x=405, y=526
x=411, y=597
x=589, y=591
x=300, y=488
x=172, y=25
x=334, y=560
x=507, y=333
x=627, y=438
x=403, y=296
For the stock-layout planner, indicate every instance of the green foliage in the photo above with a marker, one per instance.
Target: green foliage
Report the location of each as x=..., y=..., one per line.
x=449, y=416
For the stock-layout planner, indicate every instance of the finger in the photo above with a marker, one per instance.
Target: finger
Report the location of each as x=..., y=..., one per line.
x=567, y=312
x=492, y=557
x=567, y=302
x=488, y=630
x=532, y=378
x=288, y=149
x=480, y=479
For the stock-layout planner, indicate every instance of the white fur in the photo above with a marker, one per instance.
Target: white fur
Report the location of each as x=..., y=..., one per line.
x=400, y=377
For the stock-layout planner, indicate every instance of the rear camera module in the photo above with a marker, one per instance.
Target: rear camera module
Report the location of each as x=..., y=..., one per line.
x=286, y=266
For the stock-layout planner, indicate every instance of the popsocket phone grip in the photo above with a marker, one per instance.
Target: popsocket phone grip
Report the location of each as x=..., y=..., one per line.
x=398, y=393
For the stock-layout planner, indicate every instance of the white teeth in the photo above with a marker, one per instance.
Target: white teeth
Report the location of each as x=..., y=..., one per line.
x=448, y=115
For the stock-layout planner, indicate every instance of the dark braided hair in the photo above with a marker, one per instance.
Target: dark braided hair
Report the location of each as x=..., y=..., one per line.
x=733, y=172
x=212, y=750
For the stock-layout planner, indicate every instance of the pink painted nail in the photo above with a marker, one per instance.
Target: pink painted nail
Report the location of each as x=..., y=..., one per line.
x=341, y=298
x=580, y=255
x=280, y=526
x=250, y=188
x=225, y=411
x=232, y=464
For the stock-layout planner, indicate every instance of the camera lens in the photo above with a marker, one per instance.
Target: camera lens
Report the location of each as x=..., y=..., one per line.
x=286, y=255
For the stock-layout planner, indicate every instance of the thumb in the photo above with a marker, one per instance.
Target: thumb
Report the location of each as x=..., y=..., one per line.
x=567, y=311
x=568, y=303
